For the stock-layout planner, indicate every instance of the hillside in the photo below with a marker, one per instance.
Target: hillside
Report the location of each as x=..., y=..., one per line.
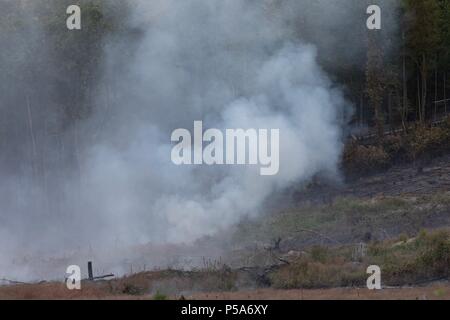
x=398, y=219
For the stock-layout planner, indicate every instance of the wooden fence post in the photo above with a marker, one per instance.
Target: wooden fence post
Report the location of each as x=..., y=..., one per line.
x=90, y=273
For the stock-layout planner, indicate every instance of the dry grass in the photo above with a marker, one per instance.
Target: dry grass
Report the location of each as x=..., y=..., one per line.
x=349, y=220
x=51, y=291
x=420, y=142
x=403, y=261
x=433, y=292
x=156, y=285
x=438, y=291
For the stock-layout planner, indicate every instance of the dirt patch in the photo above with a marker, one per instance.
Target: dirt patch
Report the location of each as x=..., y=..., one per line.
x=436, y=291
x=439, y=291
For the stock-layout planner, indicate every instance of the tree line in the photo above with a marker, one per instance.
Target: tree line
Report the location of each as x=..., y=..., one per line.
x=49, y=75
x=411, y=84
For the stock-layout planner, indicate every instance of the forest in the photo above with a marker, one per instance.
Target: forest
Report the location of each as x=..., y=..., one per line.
x=398, y=77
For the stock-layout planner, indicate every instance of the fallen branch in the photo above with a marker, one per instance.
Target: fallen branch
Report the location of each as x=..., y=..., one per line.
x=12, y=281
x=104, y=277
x=283, y=260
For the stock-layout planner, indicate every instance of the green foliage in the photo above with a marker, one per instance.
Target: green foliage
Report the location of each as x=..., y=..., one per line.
x=319, y=254
x=159, y=296
x=444, y=27
x=423, y=30
x=424, y=258
x=306, y=274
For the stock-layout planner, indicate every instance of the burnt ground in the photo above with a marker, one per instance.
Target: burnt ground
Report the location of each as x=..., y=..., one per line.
x=132, y=288
x=400, y=180
x=436, y=291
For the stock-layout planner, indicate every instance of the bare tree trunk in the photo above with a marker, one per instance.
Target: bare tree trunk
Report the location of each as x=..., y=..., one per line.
x=374, y=81
x=404, y=112
x=32, y=135
x=435, y=93
x=390, y=110
x=424, y=86
x=77, y=159
x=445, y=92
x=45, y=184
x=398, y=101
x=361, y=110
x=419, y=102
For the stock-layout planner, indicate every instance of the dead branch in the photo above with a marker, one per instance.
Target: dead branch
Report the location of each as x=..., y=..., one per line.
x=12, y=281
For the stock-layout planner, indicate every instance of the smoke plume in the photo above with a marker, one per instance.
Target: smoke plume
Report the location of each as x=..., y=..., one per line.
x=106, y=180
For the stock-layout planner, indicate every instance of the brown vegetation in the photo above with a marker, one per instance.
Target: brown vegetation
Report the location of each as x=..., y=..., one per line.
x=420, y=143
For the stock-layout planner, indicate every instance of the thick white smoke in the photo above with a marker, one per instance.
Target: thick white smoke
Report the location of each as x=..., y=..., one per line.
x=232, y=64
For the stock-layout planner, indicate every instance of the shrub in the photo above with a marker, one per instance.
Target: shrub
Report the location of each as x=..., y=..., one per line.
x=308, y=274
x=132, y=289
x=319, y=254
x=360, y=159
x=435, y=257
x=425, y=258
x=395, y=147
x=420, y=143
x=424, y=141
x=159, y=296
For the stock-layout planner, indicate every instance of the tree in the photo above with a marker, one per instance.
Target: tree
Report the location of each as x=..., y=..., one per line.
x=374, y=79
x=444, y=55
x=423, y=39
